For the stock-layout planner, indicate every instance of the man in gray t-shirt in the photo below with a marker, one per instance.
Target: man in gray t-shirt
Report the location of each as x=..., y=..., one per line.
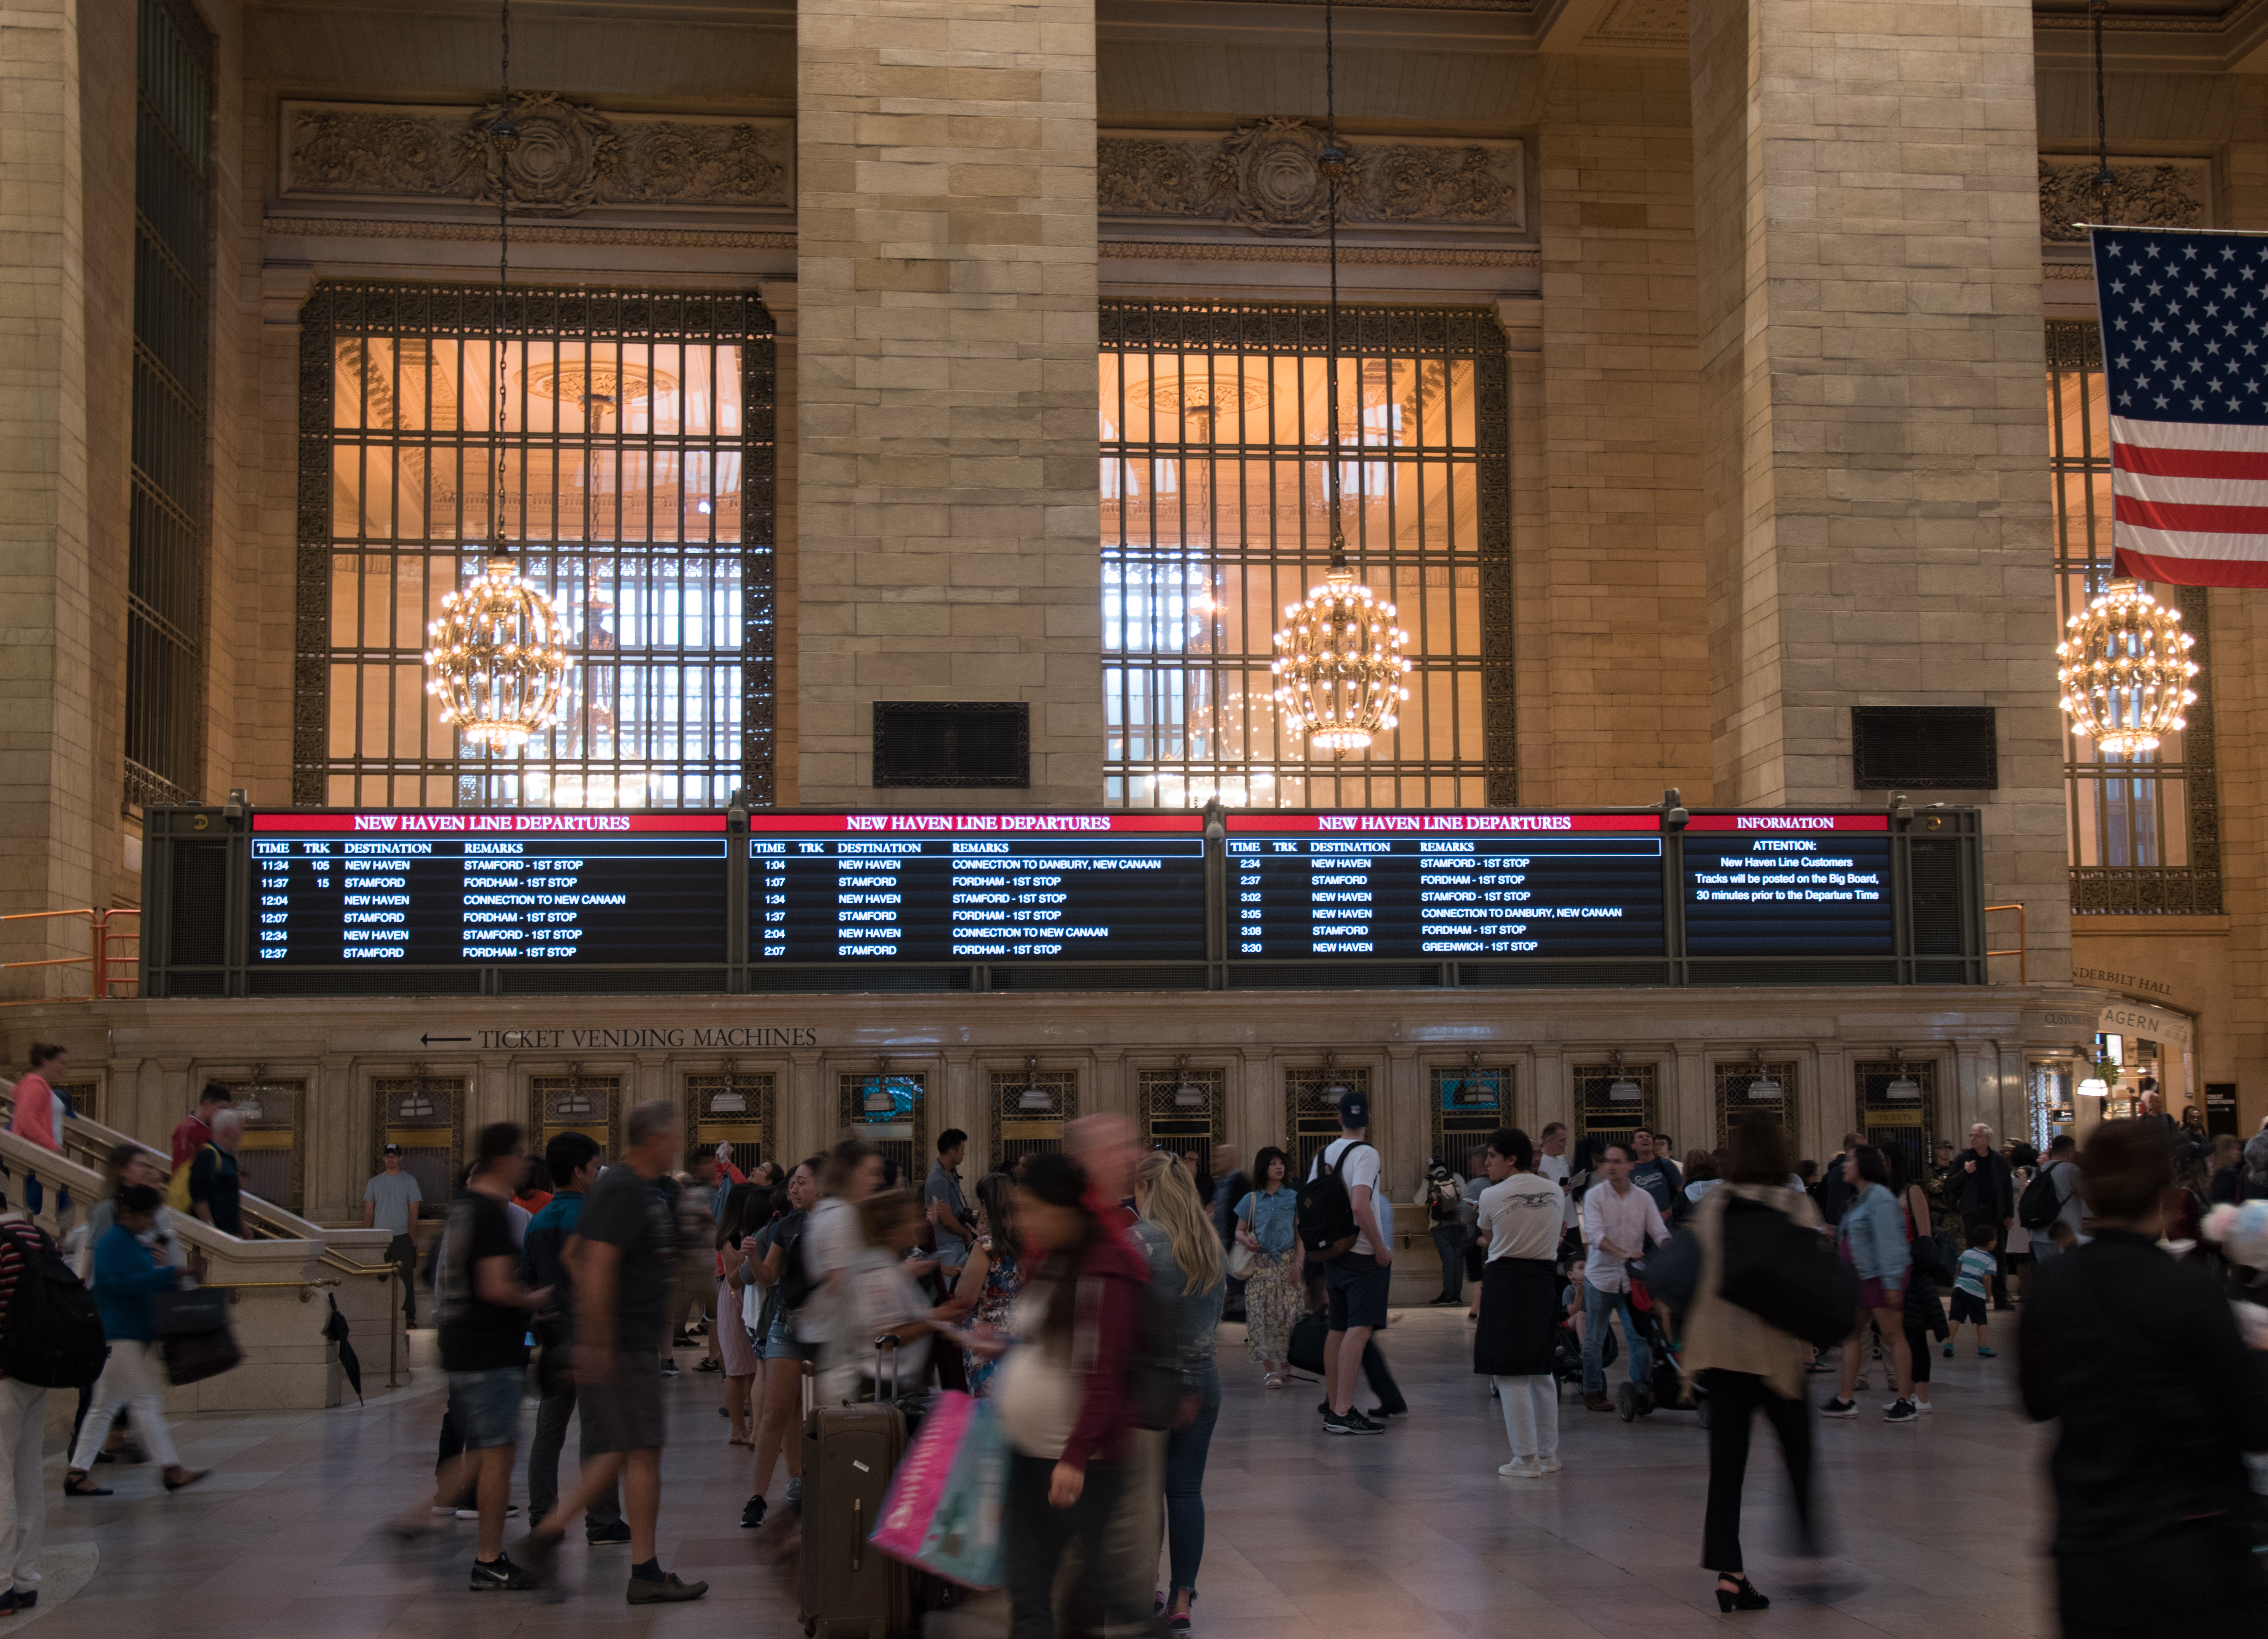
x=390, y=1202
x=945, y=1205
x=2063, y=1168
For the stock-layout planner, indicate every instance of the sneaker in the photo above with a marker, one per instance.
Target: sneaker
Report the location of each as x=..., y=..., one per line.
x=1946, y=1351
x=615, y=1536
x=1839, y=1409
x=1379, y=1414
x=1983, y=1353
x=1550, y=1464
x=669, y=1368
x=1861, y=1383
x=1521, y=1468
x=795, y=1490
x=1353, y=1422
x=753, y=1515
x=536, y=1552
x=669, y=1590
x=1902, y=1411
x=500, y=1576
x=511, y=1511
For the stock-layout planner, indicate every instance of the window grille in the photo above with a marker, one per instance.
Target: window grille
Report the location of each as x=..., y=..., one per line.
x=1905, y=1127
x=1169, y=1122
x=1311, y=1109
x=733, y=1109
x=1029, y=1108
x=577, y=1103
x=639, y=438
x=2145, y=830
x=169, y=525
x=1470, y=1103
x=270, y=1162
x=1215, y=516
x=1608, y=1112
x=890, y=1111
x=1735, y=1097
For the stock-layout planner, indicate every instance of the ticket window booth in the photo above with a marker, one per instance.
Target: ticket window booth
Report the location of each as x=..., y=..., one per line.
x=889, y=1110
x=1613, y=1100
x=1759, y=1084
x=1184, y=1109
x=1897, y=1110
x=425, y=1115
x=269, y=1162
x=733, y=1108
x=577, y=1103
x=1469, y=1101
x=1311, y=1109
x=1028, y=1109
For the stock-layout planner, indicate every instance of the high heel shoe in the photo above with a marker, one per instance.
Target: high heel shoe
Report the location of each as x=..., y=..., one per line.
x=1739, y=1597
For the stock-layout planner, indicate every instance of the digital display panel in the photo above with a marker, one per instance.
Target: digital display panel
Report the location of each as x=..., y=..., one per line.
x=977, y=888
x=1445, y=885
x=1783, y=884
x=440, y=888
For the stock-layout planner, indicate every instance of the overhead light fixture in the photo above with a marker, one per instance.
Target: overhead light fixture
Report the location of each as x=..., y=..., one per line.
x=1625, y=1091
x=1763, y=1089
x=1904, y=1087
x=878, y=1101
x=729, y=1103
x=2127, y=670
x=1188, y=1095
x=498, y=666
x=1034, y=1099
x=1340, y=665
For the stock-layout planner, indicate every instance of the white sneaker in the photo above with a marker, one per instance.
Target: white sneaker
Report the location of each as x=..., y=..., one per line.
x=1550, y=1464
x=1521, y=1468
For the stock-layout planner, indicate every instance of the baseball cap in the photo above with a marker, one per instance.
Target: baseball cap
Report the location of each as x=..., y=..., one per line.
x=1354, y=1108
x=391, y=1150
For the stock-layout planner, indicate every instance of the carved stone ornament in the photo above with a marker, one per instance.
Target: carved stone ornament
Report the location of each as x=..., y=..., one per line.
x=2145, y=194
x=1263, y=177
x=568, y=157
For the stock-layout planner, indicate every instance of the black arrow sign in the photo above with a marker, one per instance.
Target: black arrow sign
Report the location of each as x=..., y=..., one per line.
x=429, y=1040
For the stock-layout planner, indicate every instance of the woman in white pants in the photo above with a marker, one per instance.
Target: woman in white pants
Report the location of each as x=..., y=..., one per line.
x=1519, y=1214
x=126, y=1274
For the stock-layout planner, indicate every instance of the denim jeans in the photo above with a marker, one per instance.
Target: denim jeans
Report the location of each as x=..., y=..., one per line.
x=1597, y=1305
x=1186, y=1449
x=1449, y=1240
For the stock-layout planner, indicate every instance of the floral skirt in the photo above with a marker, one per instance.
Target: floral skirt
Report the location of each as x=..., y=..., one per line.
x=1273, y=1300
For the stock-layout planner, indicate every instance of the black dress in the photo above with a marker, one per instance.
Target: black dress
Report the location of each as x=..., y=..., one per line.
x=1520, y=1318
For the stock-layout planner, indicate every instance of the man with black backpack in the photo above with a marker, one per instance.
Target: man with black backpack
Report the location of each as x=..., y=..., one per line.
x=1338, y=1223
x=50, y=1337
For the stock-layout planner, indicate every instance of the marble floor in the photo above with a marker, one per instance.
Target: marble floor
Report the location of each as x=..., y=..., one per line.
x=1938, y=1525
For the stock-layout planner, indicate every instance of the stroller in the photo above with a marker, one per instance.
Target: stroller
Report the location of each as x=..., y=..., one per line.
x=1668, y=1388
x=1567, y=1352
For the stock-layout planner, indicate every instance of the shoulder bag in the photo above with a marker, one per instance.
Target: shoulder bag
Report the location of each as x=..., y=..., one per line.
x=1786, y=1276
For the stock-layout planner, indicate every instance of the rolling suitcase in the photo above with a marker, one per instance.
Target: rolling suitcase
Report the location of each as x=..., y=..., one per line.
x=849, y=1589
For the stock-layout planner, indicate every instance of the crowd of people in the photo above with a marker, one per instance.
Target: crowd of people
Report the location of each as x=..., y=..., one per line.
x=1080, y=1294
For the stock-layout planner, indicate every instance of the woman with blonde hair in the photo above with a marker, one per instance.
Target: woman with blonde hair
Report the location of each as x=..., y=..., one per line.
x=1184, y=1254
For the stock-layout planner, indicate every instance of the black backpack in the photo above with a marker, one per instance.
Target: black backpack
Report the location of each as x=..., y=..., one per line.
x=1323, y=1211
x=795, y=1284
x=53, y=1338
x=2040, y=1205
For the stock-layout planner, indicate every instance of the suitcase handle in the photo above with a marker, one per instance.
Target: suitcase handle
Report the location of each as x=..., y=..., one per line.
x=857, y=1532
x=890, y=1340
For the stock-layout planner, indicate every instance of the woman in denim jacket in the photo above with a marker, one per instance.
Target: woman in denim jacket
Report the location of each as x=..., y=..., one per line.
x=1871, y=1239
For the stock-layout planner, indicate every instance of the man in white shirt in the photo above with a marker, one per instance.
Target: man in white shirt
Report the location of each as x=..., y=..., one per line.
x=1552, y=1162
x=1357, y=1281
x=1619, y=1220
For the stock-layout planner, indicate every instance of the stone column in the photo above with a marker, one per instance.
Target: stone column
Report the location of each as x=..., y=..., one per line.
x=948, y=528
x=1874, y=463
x=50, y=818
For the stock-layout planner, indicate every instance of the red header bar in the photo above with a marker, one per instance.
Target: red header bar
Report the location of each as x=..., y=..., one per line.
x=450, y=822
x=974, y=825
x=1489, y=823
x=1788, y=823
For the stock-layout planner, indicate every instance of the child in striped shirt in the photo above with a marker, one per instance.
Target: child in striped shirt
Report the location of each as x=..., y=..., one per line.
x=1972, y=1289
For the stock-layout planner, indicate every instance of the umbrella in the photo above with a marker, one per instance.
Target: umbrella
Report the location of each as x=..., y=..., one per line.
x=335, y=1329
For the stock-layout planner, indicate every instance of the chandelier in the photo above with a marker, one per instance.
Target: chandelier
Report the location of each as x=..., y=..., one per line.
x=1339, y=667
x=499, y=667
x=2125, y=671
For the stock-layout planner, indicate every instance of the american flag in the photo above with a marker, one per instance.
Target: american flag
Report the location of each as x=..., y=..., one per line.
x=2185, y=361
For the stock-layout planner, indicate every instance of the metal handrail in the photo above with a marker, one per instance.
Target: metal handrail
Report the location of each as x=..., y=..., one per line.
x=98, y=961
x=2023, y=959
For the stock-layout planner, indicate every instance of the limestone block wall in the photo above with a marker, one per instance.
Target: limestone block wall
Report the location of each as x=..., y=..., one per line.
x=1873, y=350
x=948, y=510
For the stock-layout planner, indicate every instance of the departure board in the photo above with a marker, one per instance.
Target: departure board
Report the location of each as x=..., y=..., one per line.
x=977, y=888
x=1788, y=885
x=1445, y=885
x=446, y=887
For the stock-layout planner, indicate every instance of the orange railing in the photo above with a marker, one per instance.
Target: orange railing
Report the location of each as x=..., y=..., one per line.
x=2019, y=952
x=112, y=959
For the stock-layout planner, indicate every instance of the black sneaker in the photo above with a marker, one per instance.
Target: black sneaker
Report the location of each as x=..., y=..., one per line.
x=1379, y=1414
x=753, y=1515
x=669, y=1368
x=1353, y=1422
x=615, y=1536
x=536, y=1553
x=1902, y=1411
x=669, y=1590
x=500, y=1576
x=1839, y=1409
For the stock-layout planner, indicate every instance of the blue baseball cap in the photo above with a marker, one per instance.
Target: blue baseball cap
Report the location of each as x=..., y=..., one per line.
x=1354, y=1108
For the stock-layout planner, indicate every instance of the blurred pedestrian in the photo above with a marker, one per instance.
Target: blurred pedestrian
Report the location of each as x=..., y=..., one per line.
x=1061, y=1396
x=2158, y=1399
x=993, y=1277
x=1177, y=1236
x=1271, y=1290
x=783, y=1274
x=1744, y=1363
x=216, y=1187
x=23, y=1431
x=1871, y=1238
x=572, y=1160
x=40, y=1113
x=194, y=1131
x=746, y=1207
x=1519, y=1326
x=127, y=1274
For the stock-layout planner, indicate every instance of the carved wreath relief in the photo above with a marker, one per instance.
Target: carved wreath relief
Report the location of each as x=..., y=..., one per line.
x=1265, y=176
x=2143, y=195
x=567, y=158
